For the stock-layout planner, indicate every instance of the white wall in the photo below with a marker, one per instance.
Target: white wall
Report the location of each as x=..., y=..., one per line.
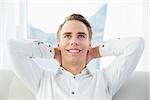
x=128, y=18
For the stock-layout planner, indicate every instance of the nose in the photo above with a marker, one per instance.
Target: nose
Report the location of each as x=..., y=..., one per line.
x=74, y=41
x=74, y=44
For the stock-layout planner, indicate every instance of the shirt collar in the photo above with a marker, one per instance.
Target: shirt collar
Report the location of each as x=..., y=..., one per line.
x=84, y=72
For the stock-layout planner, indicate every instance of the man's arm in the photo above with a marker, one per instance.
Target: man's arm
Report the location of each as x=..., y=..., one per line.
x=23, y=54
x=127, y=52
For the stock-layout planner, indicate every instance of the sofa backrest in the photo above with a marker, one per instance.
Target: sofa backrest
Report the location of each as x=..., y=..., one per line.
x=6, y=77
x=12, y=88
x=19, y=91
x=135, y=88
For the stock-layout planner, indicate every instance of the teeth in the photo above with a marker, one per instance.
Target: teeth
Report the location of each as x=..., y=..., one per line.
x=74, y=51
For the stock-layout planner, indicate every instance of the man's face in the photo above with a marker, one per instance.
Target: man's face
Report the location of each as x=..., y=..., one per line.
x=74, y=42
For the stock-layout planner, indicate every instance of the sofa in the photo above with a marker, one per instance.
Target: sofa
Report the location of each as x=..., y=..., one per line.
x=12, y=88
x=135, y=88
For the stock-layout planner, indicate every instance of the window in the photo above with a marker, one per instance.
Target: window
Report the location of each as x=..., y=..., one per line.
x=44, y=17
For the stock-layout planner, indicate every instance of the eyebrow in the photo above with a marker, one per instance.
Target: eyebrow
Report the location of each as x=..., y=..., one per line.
x=68, y=33
x=82, y=33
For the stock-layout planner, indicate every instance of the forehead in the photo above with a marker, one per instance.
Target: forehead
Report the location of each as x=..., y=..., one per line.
x=74, y=26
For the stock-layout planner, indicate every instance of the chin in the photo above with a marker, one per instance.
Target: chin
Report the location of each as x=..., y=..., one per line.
x=74, y=61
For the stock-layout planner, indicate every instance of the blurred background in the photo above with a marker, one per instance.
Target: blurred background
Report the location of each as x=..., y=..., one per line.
x=39, y=20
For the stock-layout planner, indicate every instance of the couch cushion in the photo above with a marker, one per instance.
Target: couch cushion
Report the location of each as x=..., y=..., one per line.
x=135, y=88
x=19, y=91
x=6, y=77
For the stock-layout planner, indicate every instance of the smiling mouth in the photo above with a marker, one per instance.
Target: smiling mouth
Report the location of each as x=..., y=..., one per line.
x=74, y=51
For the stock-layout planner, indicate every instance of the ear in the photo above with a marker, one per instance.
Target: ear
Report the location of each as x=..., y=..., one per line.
x=89, y=46
x=58, y=46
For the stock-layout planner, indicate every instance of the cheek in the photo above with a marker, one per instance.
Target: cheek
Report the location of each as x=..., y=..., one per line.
x=86, y=45
x=62, y=44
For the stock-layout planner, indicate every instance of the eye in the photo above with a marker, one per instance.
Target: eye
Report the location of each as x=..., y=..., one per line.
x=67, y=36
x=82, y=36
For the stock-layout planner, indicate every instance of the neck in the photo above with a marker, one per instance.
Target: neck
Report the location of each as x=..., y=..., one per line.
x=74, y=69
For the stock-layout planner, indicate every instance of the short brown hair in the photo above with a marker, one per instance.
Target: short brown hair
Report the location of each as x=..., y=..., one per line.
x=77, y=17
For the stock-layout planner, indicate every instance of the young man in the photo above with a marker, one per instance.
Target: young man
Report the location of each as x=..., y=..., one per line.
x=73, y=80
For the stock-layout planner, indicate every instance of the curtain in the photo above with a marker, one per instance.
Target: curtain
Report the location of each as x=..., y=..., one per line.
x=12, y=24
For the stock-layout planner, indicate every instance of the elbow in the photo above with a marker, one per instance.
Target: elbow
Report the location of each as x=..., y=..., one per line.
x=10, y=45
x=140, y=44
x=136, y=46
